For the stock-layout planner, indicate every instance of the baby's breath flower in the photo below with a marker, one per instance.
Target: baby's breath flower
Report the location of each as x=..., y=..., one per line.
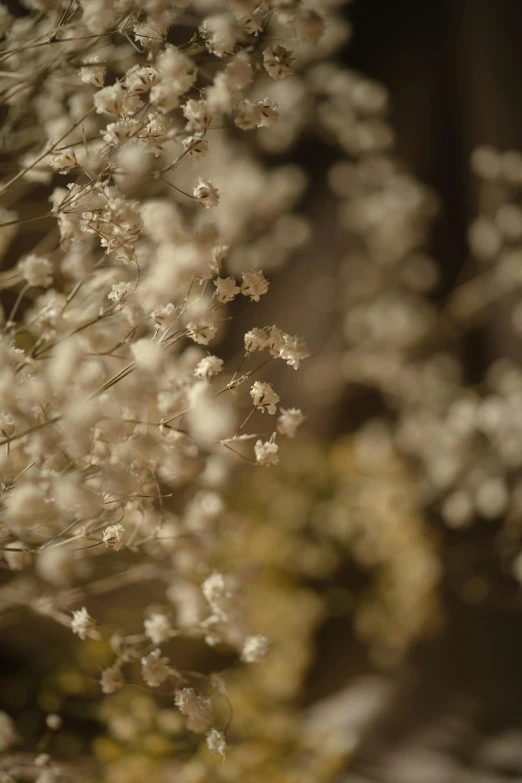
x=196, y=146
x=216, y=742
x=154, y=669
x=256, y=340
x=139, y=78
x=158, y=628
x=254, y=649
x=269, y=113
x=294, y=350
x=37, y=271
x=289, y=421
x=254, y=285
x=197, y=708
x=112, y=679
x=226, y=289
x=82, y=623
x=64, y=161
x=267, y=453
x=112, y=536
x=208, y=367
x=92, y=72
x=264, y=397
x=202, y=332
x=278, y=61
x=206, y=194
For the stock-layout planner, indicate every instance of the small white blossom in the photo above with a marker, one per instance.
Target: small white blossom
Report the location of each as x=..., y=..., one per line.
x=64, y=161
x=197, y=708
x=256, y=340
x=197, y=114
x=254, y=285
x=158, y=628
x=278, y=61
x=37, y=271
x=112, y=536
x=206, y=194
x=93, y=73
x=216, y=742
x=254, y=649
x=147, y=354
x=202, y=332
x=208, y=367
x=140, y=78
x=165, y=96
x=196, y=146
x=266, y=453
x=269, y=113
x=294, y=350
x=119, y=291
x=112, y=679
x=226, y=289
x=264, y=397
x=82, y=623
x=289, y=421
x=154, y=669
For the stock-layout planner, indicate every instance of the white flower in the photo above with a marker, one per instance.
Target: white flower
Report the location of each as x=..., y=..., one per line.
x=197, y=114
x=140, y=78
x=154, y=668
x=165, y=96
x=266, y=453
x=269, y=113
x=37, y=271
x=112, y=536
x=216, y=742
x=202, y=331
x=226, y=289
x=119, y=291
x=117, y=133
x=264, y=397
x=197, y=708
x=93, y=73
x=165, y=315
x=177, y=69
x=208, y=367
x=158, y=628
x=220, y=34
x=254, y=285
x=147, y=354
x=289, y=421
x=248, y=115
x=64, y=161
x=82, y=623
x=112, y=679
x=254, y=649
x=109, y=100
x=206, y=194
x=8, y=735
x=278, y=61
x=196, y=146
x=294, y=350
x=256, y=340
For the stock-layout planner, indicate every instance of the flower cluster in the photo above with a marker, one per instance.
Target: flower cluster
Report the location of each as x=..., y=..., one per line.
x=117, y=427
